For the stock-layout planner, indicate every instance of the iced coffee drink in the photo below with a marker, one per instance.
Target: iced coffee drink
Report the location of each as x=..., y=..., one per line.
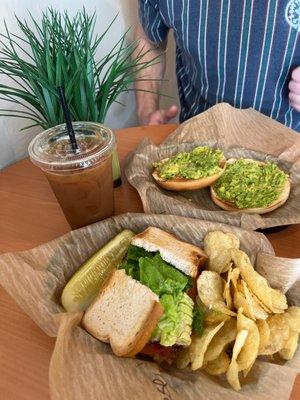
x=81, y=179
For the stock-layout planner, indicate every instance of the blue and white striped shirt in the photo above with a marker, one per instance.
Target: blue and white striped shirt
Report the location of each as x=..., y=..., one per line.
x=237, y=51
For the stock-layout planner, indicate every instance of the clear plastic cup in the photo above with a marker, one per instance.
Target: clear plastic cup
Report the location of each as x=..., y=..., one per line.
x=81, y=180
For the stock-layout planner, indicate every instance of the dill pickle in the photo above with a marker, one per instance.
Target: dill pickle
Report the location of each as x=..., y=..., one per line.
x=84, y=285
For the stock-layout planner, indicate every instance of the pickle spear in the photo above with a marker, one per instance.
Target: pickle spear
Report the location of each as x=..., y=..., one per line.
x=85, y=284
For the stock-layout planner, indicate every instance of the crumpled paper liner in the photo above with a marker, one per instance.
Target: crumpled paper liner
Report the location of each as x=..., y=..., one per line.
x=240, y=133
x=83, y=368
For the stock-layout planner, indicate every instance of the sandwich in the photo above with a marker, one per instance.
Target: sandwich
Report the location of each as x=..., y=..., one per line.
x=251, y=186
x=148, y=304
x=192, y=170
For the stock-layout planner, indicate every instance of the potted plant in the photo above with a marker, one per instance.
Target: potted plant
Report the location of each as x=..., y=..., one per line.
x=61, y=51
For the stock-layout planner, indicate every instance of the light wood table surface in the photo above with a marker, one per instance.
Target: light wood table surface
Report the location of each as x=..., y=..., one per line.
x=29, y=216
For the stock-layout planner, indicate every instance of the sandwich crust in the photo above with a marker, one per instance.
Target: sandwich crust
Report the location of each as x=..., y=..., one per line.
x=124, y=314
x=186, y=257
x=148, y=328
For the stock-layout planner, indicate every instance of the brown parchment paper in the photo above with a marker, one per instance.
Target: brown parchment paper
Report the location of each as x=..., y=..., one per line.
x=83, y=368
x=240, y=133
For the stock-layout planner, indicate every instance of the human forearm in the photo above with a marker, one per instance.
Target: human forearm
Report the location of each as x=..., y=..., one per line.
x=148, y=84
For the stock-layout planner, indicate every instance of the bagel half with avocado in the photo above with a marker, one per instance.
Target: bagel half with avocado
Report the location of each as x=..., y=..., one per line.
x=251, y=186
x=192, y=170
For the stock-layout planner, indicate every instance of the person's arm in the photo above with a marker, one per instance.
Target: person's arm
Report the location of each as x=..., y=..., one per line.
x=294, y=87
x=148, y=110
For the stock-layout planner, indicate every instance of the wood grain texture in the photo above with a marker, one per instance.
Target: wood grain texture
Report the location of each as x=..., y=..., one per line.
x=29, y=216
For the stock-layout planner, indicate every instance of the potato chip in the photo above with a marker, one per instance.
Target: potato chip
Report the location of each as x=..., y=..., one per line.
x=221, y=262
x=264, y=333
x=262, y=325
x=257, y=311
x=217, y=245
x=219, y=365
x=248, y=353
x=226, y=292
x=290, y=346
x=200, y=344
x=220, y=308
x=272, y=298
x=210, y=288
x=221, y=340
x=215, y=316
x=293, y=315
x=262, y=305
x=279, y=301
x=279, y=333
x=235, y=274
x=183, y=358
x=212, y=316
x=239, y=301
x=232, y=373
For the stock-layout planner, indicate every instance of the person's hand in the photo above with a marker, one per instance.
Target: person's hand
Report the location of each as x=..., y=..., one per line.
x=294, y=87
x=159, y=117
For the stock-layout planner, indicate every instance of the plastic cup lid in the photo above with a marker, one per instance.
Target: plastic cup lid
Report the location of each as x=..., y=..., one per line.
x=52, y=150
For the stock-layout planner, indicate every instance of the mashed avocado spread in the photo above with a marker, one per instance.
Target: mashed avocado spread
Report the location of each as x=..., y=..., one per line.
x=199, y=163
x=249, y=185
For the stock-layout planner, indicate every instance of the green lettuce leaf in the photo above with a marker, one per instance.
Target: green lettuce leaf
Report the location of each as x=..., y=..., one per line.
x=134, y=253
x=175, y=326
x=161, y=277
x=131, y=261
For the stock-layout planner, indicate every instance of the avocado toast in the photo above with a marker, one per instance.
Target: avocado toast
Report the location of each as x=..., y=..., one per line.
x=251, y=186
x=192, y=170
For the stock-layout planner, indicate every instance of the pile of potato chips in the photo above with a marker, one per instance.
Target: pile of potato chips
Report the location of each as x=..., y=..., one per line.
x=243, y=316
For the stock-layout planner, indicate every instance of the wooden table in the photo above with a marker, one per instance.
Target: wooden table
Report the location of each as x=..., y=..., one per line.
x=29, y=216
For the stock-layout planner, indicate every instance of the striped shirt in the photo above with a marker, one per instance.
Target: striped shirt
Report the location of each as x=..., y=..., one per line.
x=237, y=51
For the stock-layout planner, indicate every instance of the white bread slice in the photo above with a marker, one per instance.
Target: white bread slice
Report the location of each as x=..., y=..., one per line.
x=228, y=206
x=181, y=184
x=124, y=314
x=184, y=256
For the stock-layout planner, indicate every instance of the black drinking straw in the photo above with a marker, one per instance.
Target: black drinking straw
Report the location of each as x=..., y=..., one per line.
x=69, y=124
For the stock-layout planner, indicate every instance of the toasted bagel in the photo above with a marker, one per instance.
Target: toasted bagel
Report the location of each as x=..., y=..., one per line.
x=229, y=206
x=181, y=184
